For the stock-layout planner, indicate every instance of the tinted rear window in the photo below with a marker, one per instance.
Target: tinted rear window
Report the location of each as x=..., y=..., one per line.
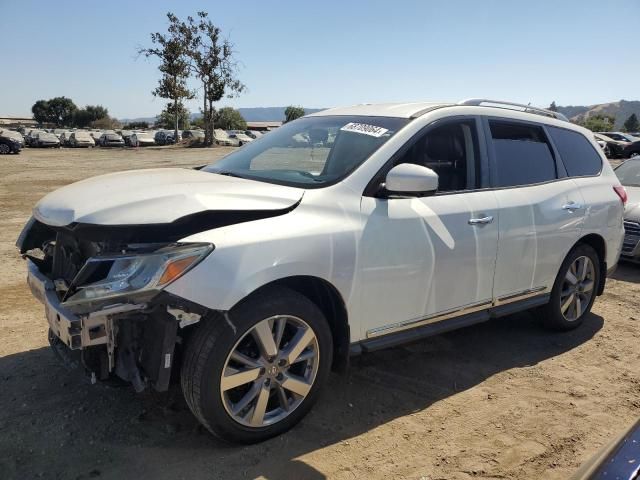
x=577, y=153
x=523, y=154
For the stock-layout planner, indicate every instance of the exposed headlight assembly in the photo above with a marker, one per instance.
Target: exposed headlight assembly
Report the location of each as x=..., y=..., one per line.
x=113, y=276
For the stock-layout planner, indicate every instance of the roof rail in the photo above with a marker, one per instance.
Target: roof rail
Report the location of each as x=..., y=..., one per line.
x=480, y=102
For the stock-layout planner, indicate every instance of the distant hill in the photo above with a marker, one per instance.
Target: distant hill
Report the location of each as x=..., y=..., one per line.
x=269, y=114
x=621, y=110
x=254, y=114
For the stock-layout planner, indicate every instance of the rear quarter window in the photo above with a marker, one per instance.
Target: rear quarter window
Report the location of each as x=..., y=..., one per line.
x=578, y=155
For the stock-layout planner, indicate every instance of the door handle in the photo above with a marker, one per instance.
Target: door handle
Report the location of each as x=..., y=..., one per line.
x=571, y=206
x=480, y=221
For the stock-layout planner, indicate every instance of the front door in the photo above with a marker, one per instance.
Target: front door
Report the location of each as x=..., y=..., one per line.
x=423, y=256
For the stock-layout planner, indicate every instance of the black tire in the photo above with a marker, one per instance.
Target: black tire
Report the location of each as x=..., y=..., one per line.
x=208, y=347
x=553, y=318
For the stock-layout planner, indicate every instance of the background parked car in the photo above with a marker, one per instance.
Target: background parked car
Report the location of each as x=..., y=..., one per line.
x=57, y=132
x=64, y=138
x=10, y=142
x=111, y=140
x=222, y=138
x=81, y=139
x=45, y=140
x=631, y=150
x=30, y=137
x=620, y=136
x=166, y=137
x=126, y=136
x=14, y=134
x=191, y=134
x=241, y=137
x=613, y=148
x=629, y=175
x=254, y=134
x=141, y=139
x=95, y=134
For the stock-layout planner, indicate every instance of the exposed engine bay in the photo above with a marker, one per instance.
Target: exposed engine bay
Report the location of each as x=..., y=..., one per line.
x=131, y=333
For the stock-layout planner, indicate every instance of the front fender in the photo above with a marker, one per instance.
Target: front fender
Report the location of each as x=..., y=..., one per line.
x=253, y=254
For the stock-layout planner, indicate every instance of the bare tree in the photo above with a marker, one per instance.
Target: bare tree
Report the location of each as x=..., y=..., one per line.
x=212, y=62
x=175, y=66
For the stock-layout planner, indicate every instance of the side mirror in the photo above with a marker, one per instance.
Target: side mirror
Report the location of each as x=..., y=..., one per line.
x=408, y=178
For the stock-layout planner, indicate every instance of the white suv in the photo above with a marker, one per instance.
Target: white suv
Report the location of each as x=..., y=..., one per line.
x=342, y=232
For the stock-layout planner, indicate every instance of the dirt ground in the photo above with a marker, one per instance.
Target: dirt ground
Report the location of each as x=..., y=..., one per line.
x=504, y=399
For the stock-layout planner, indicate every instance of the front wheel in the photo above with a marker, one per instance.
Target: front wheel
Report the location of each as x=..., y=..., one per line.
x=574, y=290
x=256, y=372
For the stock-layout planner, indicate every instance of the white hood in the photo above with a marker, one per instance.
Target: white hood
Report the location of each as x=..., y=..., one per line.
x=158, y=196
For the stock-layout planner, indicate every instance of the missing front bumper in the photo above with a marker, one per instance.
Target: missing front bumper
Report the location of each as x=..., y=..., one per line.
x=76, y=331
x=134, y=341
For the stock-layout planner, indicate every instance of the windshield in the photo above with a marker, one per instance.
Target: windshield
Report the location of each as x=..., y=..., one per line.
x=113, y=137
x=311, y=151
x=47, y=136
x=629, y=173
x=82, y=136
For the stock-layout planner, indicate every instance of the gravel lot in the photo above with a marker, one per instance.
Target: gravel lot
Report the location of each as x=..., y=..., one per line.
x=504, y=399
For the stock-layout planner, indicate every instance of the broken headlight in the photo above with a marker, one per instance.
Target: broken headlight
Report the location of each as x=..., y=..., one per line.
x=113, y=276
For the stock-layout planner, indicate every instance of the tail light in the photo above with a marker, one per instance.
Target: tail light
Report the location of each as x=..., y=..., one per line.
x=622, y=193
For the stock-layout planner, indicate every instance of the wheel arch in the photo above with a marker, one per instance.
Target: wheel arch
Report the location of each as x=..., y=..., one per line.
x=329, y=300
x=598, y=243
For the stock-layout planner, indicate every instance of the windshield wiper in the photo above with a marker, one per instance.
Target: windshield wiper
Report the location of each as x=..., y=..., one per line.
x=227, y=173
x=306, y=174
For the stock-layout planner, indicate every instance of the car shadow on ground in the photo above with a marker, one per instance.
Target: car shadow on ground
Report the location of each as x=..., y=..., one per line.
x=627, y=272
x=54, y=424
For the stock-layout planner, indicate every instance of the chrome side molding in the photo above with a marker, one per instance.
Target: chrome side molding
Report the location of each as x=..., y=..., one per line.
x=467, y=309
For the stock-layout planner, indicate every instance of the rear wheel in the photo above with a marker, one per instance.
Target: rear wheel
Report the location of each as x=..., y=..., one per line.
x=257, y=372
x=574, y=290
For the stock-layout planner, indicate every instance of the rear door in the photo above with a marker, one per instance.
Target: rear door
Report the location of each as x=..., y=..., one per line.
x=541, y=209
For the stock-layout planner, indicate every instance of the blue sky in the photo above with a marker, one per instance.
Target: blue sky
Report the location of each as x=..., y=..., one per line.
x=330, y=52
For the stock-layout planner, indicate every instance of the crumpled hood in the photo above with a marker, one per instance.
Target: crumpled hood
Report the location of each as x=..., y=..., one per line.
x=158, y=196
x=632, y=209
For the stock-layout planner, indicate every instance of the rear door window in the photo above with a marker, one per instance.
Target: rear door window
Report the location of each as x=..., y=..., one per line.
x=577, y=153
x=523, y=155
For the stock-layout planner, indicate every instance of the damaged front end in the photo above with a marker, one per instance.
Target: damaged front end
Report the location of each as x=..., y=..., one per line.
x=104, y=298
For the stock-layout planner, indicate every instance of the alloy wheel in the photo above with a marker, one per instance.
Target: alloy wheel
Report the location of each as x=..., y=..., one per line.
x=577, y=288
x=4, y=148
x=270, y=371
